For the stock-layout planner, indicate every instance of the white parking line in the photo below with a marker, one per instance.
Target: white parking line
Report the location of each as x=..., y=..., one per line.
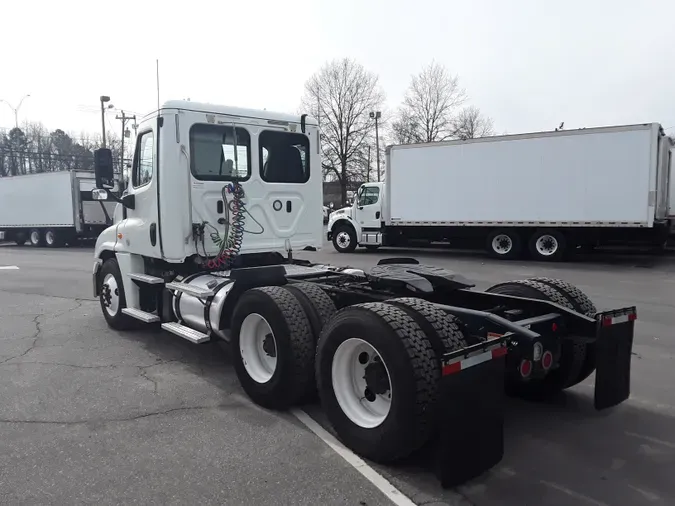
x=383, y=485
x=8, y=268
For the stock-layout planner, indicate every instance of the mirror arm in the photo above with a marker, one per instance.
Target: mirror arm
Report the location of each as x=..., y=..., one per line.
x=128, y=201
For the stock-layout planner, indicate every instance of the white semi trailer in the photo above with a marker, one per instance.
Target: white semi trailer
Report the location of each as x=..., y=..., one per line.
x=220, y=197
x=546, y=193
x=52, y=209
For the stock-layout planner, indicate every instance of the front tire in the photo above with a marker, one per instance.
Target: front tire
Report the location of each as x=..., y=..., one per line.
x=344, y=239
x=112, y=297
x=378, y=380
x=273, y=347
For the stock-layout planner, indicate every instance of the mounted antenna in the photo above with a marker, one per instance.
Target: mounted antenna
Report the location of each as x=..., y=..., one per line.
x=157, y=69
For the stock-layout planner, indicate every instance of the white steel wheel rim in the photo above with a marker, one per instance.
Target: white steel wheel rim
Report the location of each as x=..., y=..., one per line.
x=546, y=245
x=35, y=237
x=502, y=244
x=343, y=239
x=49, y=237
x=349, y=384
x=110, y=295
x=255, y=341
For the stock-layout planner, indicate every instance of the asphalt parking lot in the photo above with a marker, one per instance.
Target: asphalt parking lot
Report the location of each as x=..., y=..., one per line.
x=90, y=415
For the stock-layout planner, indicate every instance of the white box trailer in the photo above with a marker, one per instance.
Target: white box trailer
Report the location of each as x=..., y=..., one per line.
x=547, y=192
x=52, y=208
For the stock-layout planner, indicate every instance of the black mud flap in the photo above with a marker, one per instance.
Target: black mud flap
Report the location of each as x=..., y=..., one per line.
x=471, y=412
x=614, y=348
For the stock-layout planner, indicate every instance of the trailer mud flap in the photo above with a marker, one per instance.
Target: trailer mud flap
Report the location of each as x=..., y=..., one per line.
x=471, y=412
x=614, y=348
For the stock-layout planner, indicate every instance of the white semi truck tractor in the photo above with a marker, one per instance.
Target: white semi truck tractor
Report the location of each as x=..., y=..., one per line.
x=219, y=200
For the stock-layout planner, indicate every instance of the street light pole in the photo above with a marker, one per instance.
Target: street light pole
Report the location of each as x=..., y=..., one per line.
x=377, y=115
x=103, y=100
x=16, y=109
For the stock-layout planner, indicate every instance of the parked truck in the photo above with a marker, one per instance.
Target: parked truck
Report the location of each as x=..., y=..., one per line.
x=52, y=209
x=219, y=200
x=546, y=194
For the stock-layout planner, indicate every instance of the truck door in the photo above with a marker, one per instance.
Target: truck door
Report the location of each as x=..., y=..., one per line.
x=368, y=208
x=140, y=229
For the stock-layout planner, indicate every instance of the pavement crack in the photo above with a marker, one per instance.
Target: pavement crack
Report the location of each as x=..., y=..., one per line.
x=35, y=337
x=113, y=420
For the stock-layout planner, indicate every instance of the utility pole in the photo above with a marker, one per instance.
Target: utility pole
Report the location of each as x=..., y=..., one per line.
x=377, y=115
x=16, y=109
x=125, y=131
x=103, y=99
x=368, y=169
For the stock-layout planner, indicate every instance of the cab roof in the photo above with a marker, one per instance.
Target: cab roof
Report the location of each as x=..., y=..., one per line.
x=235, y=111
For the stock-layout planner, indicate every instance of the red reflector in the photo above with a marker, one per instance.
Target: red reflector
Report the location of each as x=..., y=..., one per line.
x=632, y=317
x=606, y=321
x=554, y=327
x=547, y=360
x=452, y=368
x=499, y=352
x=525, y=368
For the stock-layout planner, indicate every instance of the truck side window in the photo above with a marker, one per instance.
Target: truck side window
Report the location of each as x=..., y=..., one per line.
x=284, y=157
x=144, y=160
x=212, y=152
x=369, y=196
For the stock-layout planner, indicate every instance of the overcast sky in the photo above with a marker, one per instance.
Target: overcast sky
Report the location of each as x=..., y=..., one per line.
x=527, y=64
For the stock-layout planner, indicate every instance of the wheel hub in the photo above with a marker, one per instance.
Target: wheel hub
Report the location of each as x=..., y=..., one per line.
x=547, y=245
x=343, y=239
x=377, y=380
x=269, y=346
x=110, y=295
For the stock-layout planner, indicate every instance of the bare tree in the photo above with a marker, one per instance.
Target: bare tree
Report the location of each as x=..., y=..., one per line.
x=341, y=95
x=471, y=124
x=428, y=107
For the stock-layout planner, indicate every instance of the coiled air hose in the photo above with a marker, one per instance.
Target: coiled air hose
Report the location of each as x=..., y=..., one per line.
x=230, y=243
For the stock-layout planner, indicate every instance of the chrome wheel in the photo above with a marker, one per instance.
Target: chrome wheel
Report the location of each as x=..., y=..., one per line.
x=502, y=244
x=547, y=245
x=258, y=348
x=110, y=295
x=361, y=383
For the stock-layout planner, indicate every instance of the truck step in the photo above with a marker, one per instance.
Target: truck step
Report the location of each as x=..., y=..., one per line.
x=191, y=335
x=145, y=278
x=195, y=291
x=140, y=315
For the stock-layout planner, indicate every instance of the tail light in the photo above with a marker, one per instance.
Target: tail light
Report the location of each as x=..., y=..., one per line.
x=547, y=360
x=525, y=368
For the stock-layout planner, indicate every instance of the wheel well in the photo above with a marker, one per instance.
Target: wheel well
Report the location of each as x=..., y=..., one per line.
x=103, y=256
x=342, y=222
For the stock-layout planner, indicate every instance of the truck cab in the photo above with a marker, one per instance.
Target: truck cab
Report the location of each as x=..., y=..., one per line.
x=361, y=223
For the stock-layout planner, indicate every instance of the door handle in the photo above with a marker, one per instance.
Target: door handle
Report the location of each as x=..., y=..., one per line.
x=289, y=206
x=377, y=215
x=219, y=207
x=153, y=233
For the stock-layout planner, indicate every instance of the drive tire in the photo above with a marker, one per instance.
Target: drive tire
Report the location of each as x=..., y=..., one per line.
x=111, y=277
x=572, y=355
x=547, y=245
x=36, y=238
x=344, y=239
x=582, y=304
x=293, y=377
x=53, y=238
x=413, y=371
x=505, y=244
x=318, y=306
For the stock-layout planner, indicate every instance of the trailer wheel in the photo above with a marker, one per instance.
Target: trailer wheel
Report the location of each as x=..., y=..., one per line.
x=273, y=348
x=572, y=355
x=547, y=245
x=53, y=238
x=112, y=298
x=20, y=238
x=504, y=243
x=318, y=306
x=344, y=239
x=442, y=329
x=35, y=237
x=582, y=304
x=378, y=379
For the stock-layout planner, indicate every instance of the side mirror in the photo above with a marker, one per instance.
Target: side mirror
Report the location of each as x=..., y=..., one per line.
x=103, y=168
x=99, y=194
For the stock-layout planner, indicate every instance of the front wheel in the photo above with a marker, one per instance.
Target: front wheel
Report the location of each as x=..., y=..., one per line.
x=112, y=296
x=377, y=376
x=344, y=239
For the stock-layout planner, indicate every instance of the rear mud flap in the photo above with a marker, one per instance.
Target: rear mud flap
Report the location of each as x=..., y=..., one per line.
x=614, y=348
x=471, y=421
